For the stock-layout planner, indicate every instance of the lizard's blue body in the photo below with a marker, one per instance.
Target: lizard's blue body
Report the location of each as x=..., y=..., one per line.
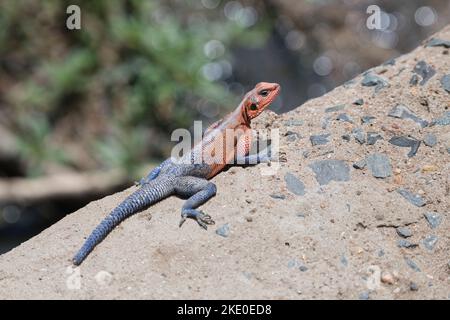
x=186, y=178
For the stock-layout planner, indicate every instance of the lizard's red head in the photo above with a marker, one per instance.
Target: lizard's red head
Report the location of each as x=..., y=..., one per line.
x=260, y=98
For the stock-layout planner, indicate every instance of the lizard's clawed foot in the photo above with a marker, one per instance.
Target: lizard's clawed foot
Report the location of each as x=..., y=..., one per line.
x=202, y=219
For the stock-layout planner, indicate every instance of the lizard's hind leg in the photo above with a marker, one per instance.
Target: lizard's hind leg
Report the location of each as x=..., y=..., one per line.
x=199, y=191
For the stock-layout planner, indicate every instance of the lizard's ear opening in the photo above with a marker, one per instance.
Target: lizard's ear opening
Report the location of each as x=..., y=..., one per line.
x=253, y=106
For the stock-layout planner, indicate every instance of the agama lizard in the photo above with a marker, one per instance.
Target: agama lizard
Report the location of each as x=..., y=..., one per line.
x=189, y=176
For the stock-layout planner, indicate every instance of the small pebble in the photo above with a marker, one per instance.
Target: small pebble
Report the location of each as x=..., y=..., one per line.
x=358, y=102
x=294, y=185
x=434, y=219
x=373, y=137
x=412, y=264
x=364, y=295
x=430, y=140
x=379, y=165
x=412, y=198
x=335, y=108
x=387, y=278
x=224, y=230
x=359, y=135
x=425, y=71
x=278, y=196
x=430, y=241
x=361, y=164
x=402, y=243
x=404, y=232
x=413, y=286
x=319, y=139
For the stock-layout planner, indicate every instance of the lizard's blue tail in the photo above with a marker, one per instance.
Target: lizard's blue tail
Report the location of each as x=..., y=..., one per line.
x=142, y=198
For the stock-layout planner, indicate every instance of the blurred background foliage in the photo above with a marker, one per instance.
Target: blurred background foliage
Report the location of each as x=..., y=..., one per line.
x=108, y=96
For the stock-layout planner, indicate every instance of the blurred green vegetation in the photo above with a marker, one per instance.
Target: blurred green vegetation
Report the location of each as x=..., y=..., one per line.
x=109, y=95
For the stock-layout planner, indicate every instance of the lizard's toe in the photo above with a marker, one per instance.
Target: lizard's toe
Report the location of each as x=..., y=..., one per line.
x=202, y=219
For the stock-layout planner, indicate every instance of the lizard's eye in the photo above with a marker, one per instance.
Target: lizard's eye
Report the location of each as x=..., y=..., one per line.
x=264, y=93
x=253, y=106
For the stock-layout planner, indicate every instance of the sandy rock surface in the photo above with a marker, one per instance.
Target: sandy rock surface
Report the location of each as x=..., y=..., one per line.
x=354, y=211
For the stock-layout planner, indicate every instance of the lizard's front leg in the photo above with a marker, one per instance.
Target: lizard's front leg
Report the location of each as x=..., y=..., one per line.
x=199, y=191
x=243, y=149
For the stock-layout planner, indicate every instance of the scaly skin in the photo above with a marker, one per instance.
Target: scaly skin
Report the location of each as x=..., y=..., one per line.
x=226, y=140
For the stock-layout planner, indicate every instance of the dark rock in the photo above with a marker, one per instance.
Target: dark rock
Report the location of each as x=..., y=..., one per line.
x=303, y=268
x=425, y=71
x=359, y=135
x=319, y=139
x=358, y=102
x=435, y=42
x=224, y=230
x=344, y=118
x=292, y=136
x=402, y=243
x=325, y=122
x=278, y=196
x=328, y=170
x=414, y=80
x=430, y=241
x=371, y=80
x=413, y=286
x=379, y=165
x=445, y=82
x=402, y=112
x=364, y=295
x=404, y=232
x=434, y=219
x=430, y=140
x=293, y=123
x=381, y=253
x=338, y=107
x=414, y=199
x=442, y=121
x=373, y=137
x=412, y=264
x=305, y=154
x=294, y=185
x=344, y=261
x=346, y=137
x=361, y=164
x=301, y=215
x=367, y=119
x=390, y=62
x=402, y=141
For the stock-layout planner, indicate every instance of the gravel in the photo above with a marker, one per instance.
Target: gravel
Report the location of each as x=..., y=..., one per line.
x=294, y=185
x=442, y=121
x=403, y=141
x=434, y=219
x=358, y=102
x=445, y=82
x=379, y=165
x=329, y=170
x=402, y=112
x=223, y=230
x=320, y=139
x=412, y=264
x=414, y=199
x=404, y=232
x=425, y=71
x=338, y=107
x=436, y=42
x=359, y=135
x=430, y=140
x=373, y=137
x=430, y=241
